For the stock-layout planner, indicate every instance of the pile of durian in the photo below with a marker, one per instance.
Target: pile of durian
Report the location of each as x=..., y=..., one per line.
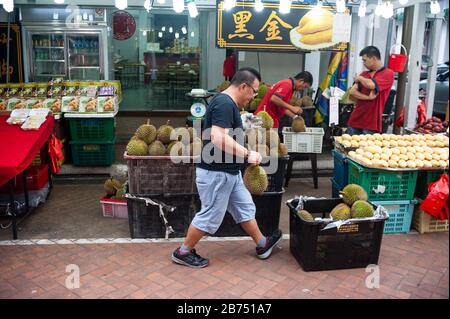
x=164, y=141
x=392, y=140
x=355, y=205
x=114, y=188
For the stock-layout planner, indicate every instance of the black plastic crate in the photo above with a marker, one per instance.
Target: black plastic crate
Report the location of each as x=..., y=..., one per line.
x=267, y=216
x=146, y=222
x=275, y=179
x=355, y=245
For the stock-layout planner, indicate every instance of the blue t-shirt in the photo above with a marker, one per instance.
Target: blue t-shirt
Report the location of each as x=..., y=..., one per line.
x=222, y=112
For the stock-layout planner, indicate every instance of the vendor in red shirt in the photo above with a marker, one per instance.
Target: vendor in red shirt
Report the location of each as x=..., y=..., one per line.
x=277, y=99
x=229, y=65
x=370, y=90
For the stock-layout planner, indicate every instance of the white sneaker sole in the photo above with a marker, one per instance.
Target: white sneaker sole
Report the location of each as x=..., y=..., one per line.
x=180, y=262
x=269, y=252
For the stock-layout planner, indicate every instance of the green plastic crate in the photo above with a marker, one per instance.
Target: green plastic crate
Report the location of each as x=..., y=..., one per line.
x=398, y=185
x=423, y=179
x=93, y=153
x=92, y=129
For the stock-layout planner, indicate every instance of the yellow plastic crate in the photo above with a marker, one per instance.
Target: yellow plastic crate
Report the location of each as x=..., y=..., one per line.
x=424, y=223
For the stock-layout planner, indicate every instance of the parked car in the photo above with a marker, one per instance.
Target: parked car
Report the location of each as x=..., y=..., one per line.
x=440, y=95
x=441, y=68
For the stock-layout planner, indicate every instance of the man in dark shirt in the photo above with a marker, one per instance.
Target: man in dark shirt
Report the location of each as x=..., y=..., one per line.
x=219, y=179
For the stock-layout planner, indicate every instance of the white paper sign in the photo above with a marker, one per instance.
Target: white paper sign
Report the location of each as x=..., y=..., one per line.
x=342, y=25
x=334, y=110
x=241, y=56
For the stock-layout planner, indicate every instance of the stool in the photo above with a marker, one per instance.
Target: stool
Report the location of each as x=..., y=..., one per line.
x=302, y=156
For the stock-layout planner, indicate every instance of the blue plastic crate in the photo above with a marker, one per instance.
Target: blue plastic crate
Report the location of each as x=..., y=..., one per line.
x=400, y=215
x=340, y=169
x=335, y=188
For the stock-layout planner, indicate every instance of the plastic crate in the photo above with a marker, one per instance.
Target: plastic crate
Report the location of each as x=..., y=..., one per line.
x=425, y=223
x=305, y=142
x=160, y=175
x=335, y=188
x=92, y=129
x=352, y=246
x=383, y=184
x=37, y=179
x=423, y=179
x=340, y=171
x=114, y=207
x=275, y=179
x=268, y=206
x=400, y=215
x=93, y=153
x=146, y=221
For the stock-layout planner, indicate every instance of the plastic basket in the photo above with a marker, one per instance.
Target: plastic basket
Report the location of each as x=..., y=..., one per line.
x=92, y=129
x=305, y=142
x=268, y=206
x=352, y=246
x=37, y=179
x=160, y=175
x=424, y=223
x=275, y=180
x=92, y=153
x=340, y=172
x=114, y=207
x=335, y=188
x=400, y=215
x=383, y=184
x=423, y=179
x=146, y=221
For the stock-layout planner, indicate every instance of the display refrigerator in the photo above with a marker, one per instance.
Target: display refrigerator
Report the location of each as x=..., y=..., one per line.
x=62, y=52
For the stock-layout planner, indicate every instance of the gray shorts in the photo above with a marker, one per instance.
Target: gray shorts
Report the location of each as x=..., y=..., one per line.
x=221, y=192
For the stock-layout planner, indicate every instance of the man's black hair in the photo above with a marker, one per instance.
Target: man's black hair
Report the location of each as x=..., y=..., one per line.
x=371, y=52
x=305, y=76
x=245, y=75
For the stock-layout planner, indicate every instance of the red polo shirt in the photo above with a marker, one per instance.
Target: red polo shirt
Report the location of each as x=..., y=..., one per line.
x=368, y=115
x=284, y=90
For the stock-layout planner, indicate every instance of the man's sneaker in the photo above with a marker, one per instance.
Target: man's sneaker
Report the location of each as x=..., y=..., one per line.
x=190, y=259
x=272, y=240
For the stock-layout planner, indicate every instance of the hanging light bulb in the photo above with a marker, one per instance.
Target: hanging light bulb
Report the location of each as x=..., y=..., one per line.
x=403, y=2
x=147, y=5
x=259, y=6
x=144, y=33
x=340, y=6
x=163, y=29
x=192, y=8
x=388, y=10
x=85, y=16
x=285, y=6
x=379, y=9
x=121, y=4
x=362, y=9
x=184, y=30
x=192, y=34
x=178, y=5
x=229, y=4
x=177, y=35
x=435, y=8
x=160, y=34
x=59, y=1
x=170, y=29
x=8, y=5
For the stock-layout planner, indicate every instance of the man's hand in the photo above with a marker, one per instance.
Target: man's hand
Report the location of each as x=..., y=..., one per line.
x=372, y=95
x=297, y=110
x=254, y=158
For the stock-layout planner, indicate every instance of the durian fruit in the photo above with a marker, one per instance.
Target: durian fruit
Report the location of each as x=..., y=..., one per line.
x=254, y=136
x=223, y=86
x=111, y=186
x=307, y=101
x=135, y=137
x=120, y=194
x=361, y=209
x=298, y=124
x=282, y=150
x=254, y=104
x=272, y=138
x=146, y=132
x=157, y=149
x=267, y=121
x=255, y=179
x=262, y=90
x=352, y=192
x=137, y=148
x=164, y=133
x=341, y=211
x=305, y=215
x=175, y=148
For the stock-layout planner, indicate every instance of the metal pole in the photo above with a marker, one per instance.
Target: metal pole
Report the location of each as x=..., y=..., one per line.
x=7, y=50
x=431, y=78
x=402, y=77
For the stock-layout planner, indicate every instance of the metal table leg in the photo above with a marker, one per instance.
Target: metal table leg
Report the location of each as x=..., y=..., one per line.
x=13, y=208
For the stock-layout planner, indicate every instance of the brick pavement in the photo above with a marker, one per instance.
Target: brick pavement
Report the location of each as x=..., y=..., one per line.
x=411, y=266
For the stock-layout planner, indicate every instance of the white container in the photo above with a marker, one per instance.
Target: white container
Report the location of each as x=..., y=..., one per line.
x=305, y=142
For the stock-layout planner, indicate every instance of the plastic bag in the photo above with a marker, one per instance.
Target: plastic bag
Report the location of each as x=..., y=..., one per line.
x=55, y=148
x=421, y=113
x=400, y=121
x=436, y=202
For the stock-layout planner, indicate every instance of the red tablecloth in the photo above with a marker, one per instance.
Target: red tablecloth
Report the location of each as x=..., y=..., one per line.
x=19, y=147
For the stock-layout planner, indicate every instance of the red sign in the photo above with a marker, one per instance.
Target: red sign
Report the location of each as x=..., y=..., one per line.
x=124, y=25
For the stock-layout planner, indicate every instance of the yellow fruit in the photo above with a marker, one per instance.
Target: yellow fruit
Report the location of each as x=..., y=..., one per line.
x=402, y=164
x=360, y=151
x=315, y=21
x=427, y=164
x=393, y=143
x=355, y=144
x=368, y=155
x=346, y=137
x=393, y=164
x=376, y=156
x=411, y=156
x=356, y=137
x=317, y=37
x=411, y=164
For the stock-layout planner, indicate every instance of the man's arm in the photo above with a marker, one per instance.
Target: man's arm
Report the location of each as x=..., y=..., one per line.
x=279, y=102
x=368, y=83
x=290, y=114
x=221, y=139
x=359, y=96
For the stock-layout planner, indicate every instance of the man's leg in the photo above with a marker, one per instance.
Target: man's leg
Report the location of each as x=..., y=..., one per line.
x=193, y=236
x=252, y=229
